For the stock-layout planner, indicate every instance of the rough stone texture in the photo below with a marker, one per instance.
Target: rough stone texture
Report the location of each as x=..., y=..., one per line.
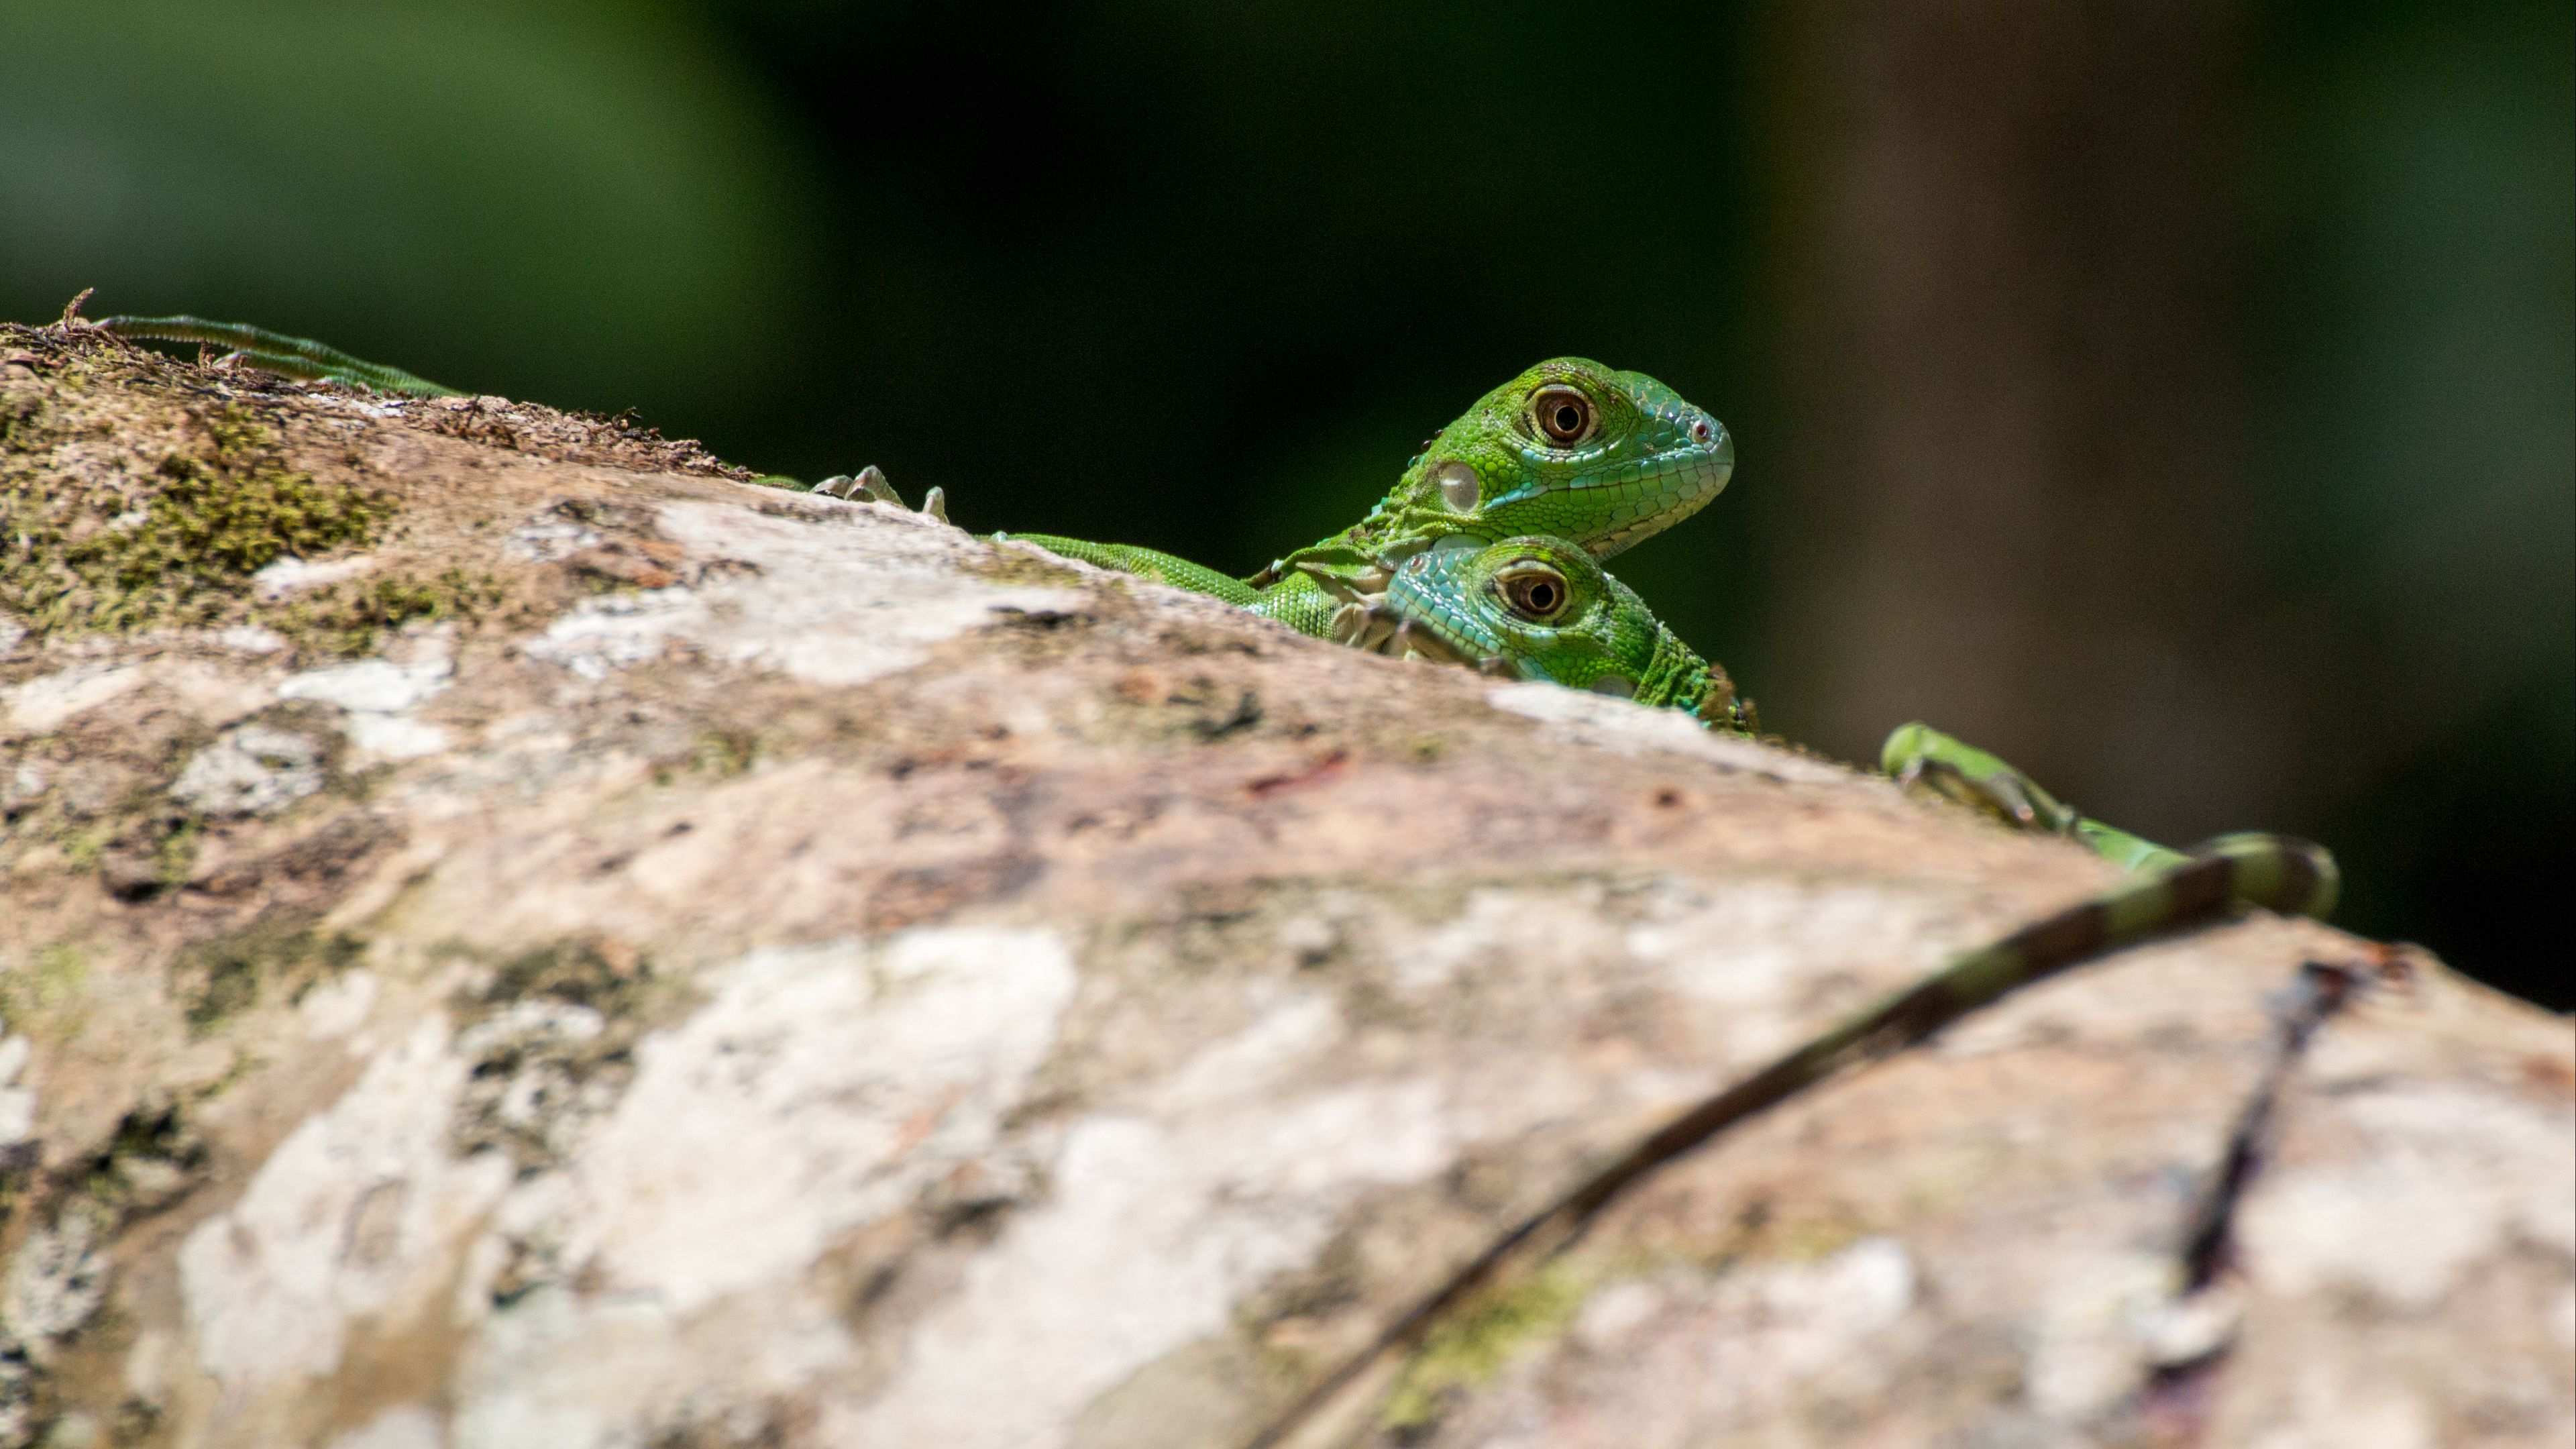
x=739, y=968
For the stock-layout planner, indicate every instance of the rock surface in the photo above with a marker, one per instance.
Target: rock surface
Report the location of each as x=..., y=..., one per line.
x=512, y=935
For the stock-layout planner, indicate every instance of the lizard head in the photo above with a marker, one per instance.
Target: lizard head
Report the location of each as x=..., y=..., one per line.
x=1572, y=450
x=1542, y=608
x=1531, y=608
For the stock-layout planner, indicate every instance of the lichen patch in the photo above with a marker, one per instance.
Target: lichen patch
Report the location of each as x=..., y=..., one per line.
x=2446, y=1182
x=818, y=1089
x=360, y=1209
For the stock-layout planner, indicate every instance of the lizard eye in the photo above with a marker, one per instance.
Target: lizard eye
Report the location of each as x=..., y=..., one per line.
x=1534, y=591
x=1563, y=415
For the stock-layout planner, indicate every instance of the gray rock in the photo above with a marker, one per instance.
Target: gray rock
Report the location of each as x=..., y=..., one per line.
x=253, y=769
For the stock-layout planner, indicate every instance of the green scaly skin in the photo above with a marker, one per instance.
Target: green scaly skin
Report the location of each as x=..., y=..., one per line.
x=1922, y=758
x=1636, y=460
x=2231, y=873
x=1539, y=608
x=1410, y=578
x=294, y=357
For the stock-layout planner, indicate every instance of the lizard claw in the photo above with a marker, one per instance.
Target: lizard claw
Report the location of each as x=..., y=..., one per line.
x=934, y=504
x=1368, y=628
x=1331, y=583
x=1412, y=641
x=870, y=484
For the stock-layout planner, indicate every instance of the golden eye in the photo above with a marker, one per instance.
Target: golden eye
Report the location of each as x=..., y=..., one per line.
x=1534, y=591
x=1564, y=416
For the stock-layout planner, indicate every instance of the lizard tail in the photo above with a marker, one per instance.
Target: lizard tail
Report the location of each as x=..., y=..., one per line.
x=295, y=357
x=2273, y=872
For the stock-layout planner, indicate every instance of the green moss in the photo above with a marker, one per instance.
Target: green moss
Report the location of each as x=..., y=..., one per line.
x=174, y=855
x=19, y=414
x=53, y=980
x=99, y=550
x=575, y=971
x=219, y=979
x=1476, y=1343
x=726, y=752
x=1018, y=566
x=1816, y=1238
x=352, y=618
x=154, y=1156
x=84, y=844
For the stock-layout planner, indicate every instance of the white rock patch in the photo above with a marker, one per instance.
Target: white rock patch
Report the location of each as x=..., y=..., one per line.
x=1155, y=1228
x=17, y=1098
x=251, y=769
x=1626, y=728
x=2447, y=1180
x=811, y=604
x=57, y=1278
x=615, y=631
x=376, y=694
x=52, y=700
x=376, y=686
x=361, y=1207
x=820, y=1089
x=287, y=575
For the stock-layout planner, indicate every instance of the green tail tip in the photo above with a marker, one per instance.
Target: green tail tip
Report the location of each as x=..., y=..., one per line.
x=2280, y=872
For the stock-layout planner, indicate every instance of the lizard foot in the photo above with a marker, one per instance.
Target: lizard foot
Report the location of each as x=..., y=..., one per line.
x=870, y=484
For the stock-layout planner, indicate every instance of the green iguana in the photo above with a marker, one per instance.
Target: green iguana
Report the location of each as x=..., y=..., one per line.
x=1486, y=551
x=1569, y=448
x=1540, y=608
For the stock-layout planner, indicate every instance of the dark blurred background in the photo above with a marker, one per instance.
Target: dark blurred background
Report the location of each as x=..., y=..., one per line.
x=2179, y=399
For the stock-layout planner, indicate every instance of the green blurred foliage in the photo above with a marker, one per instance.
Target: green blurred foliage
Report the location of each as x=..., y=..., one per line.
x=1202, y=277
x=545, y=199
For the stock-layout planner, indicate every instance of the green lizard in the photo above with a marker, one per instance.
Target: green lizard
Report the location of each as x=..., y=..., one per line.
x=1569, y=448
x=1540, y=608
x=1577, y=459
